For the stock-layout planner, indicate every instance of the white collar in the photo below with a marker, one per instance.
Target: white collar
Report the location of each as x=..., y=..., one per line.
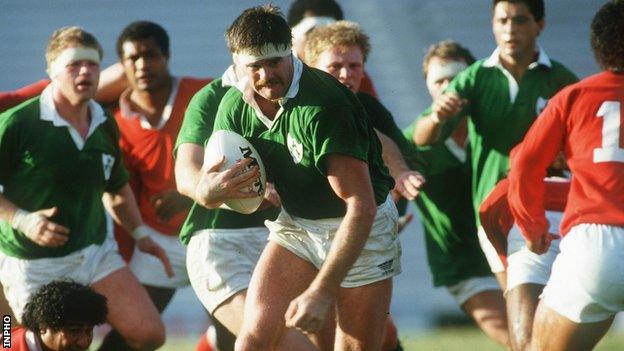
x=32, y=342
x=49, y=113
x=244, y=86
x=542, y=59
x=126, y=112
x=229, y=78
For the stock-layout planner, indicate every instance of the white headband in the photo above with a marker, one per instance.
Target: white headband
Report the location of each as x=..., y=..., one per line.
x=72, y=54
x=267, y=51
x=447, y=70
x=308, y=23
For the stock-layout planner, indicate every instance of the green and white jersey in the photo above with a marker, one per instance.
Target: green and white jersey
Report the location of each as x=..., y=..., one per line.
x=501, y=111
x=318, y=117
x=196, y=129
x=46, y=163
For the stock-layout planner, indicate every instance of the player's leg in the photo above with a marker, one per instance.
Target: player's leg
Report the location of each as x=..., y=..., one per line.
x=362, y=314
x=522, y=302
x=131, y=313
x=280, y=276
x=585, y=289
x=486, y=305
x=554, y=332
x=527, y=274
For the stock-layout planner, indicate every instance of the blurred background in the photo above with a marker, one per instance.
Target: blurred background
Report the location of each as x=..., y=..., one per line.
x=400, y=32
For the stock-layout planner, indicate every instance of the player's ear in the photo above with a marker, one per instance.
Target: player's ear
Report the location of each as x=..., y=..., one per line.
x=540, y=25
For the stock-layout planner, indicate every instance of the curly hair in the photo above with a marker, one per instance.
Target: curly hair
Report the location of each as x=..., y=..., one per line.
x=59, y=303
x=447, y=50
x=338, y=34
x=606, y=36
x=302, y=8
x=256, y=27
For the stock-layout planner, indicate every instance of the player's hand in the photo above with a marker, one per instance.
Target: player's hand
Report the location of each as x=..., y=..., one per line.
x=271, y=195
x=408, y=184
x=307, y=311
x=216, y=186
x=541, y=246
x=169, y=203
x=446, y=106
x=39, y=229
x=148, y=246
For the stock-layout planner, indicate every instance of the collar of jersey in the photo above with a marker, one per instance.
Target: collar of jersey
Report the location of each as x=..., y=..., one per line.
x=32, y=342
x=244, y=86
x=542, y=59
x=229, y=78
x=48, y=113
x=127, y=112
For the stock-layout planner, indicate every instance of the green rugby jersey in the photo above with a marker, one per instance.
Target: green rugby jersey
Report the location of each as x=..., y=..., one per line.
x=319, y=117
x=501, y=111
x=196, y=129
x=43, y=165
x=445, y=208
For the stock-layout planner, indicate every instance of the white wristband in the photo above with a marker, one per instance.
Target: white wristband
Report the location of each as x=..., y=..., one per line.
x=435, y=118
x=141, y=232
x=24, y=221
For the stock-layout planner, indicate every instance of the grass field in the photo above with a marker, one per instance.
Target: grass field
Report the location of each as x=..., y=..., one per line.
x=448, y=339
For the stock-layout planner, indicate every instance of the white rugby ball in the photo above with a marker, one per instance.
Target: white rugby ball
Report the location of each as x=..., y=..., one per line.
x=234, y=147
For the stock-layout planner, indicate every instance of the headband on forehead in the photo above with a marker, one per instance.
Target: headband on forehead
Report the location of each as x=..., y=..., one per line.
x=444, y=71
x=72, y=54
x=307, y=24
x=267, y=51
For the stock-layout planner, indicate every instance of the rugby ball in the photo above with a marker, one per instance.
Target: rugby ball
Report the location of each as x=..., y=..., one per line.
x=234, y=147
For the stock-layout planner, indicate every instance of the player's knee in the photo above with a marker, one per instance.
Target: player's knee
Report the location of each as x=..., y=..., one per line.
x=149, y=336
x=250, y=342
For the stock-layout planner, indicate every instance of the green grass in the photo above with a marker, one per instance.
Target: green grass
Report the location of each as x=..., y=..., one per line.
x=447, y=339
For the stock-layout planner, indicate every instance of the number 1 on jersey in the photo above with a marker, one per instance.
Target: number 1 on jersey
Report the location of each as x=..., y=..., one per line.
x=610, y=150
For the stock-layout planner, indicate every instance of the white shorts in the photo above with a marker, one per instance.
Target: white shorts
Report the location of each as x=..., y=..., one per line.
x=587, y=280
x=470, y=287
x=496, y=265
x=149, y=270
x=525, y=266
x=220, y=262
x=22, y=278
x=311, y=240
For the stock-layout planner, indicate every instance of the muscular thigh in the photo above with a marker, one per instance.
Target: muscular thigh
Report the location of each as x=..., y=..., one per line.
x=279, y=277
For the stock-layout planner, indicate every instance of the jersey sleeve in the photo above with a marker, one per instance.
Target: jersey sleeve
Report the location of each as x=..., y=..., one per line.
x=200, y=116
x=119, y=175
x=9, y=146
x=337, y=130
x=529, y=161
x=496, y=217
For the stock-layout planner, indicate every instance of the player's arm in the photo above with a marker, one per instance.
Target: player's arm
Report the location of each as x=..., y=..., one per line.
x=529, y=162
x=444, y=107
x=35, y=225
x=408, y=182
x=349, y=179
x=113, y=82
x=122, y=207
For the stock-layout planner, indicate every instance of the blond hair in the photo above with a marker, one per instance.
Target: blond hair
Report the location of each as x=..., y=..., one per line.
x=338, y=34
x=65, y=37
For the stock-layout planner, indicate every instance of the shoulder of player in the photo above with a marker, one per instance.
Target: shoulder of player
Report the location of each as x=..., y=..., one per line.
x=318, y=88
x=209, y=92
x=192, y=84
x=26, y=112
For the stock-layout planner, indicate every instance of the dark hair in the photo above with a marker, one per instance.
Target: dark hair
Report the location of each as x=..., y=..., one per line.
x=256, y=27
x=141, y=30
x=536, y=7
x=448, y=50
x=59, y=303
x=606, y=38
x=300, y=8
